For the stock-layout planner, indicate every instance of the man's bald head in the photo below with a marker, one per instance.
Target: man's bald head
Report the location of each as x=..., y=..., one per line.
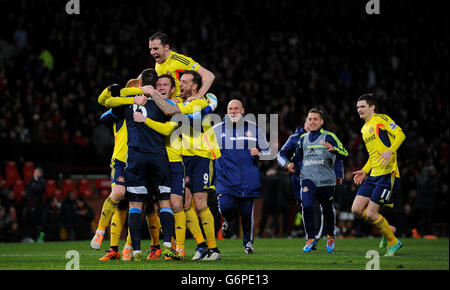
x=235, y=110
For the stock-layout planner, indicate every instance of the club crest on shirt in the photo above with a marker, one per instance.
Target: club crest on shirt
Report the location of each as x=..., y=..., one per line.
x=370, y=130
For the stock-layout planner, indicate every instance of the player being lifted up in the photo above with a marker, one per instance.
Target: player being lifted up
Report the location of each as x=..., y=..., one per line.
x=168, y=61
x=382, y=138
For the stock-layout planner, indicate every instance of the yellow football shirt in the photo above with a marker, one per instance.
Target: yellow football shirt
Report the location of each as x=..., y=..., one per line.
x=119, y=127
x=200, y=142
x=175, y=64
x=120, y=140
x=381, y=133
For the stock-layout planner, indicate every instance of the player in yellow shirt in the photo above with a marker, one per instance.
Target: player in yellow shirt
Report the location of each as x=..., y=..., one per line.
x=382, y=138
x=182, y=210
x=118, y=184
x=168, y=61
x=113, y=211
x=199, y=149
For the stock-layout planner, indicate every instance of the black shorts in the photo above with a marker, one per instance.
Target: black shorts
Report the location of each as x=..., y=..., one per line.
x=146, y=173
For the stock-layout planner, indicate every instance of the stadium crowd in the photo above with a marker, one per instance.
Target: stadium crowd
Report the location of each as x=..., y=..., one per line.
x=278, y=57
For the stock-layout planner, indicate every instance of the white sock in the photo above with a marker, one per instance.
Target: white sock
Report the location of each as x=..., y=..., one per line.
x=136, y=252
x=100, y=232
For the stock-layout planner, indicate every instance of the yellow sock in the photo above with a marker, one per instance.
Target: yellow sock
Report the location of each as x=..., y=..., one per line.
x=128, y=243
x=154, y=225
x=117, y=223
x=180, y=227
x=363, y=216
x=108, y=209
x=383, y=226
x=208, y=226
x=193, y=225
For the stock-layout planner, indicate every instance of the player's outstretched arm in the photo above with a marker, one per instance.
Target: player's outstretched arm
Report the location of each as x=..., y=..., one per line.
x=104, y=96
x=162, y=128
x=334, y=145
x=119, y=101
x=207, y=80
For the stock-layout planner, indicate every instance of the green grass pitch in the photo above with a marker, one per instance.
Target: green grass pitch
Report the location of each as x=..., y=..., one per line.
x=270, y=254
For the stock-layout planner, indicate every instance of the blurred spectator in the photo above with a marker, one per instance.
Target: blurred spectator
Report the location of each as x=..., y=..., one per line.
x=9, y=229
x=68, y=213
x=84, y=215
x=31, y=226
x=345, y=194
x=51, y=219
x=35, y=189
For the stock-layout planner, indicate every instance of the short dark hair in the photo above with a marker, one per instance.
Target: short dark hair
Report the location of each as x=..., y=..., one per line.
x=161, y=36
x=196, y=78
x=316, y=111
x=168, y=76
x=149, y=77
x=369, y=98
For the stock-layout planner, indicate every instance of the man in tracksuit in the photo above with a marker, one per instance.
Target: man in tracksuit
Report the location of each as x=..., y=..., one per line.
x=284, y=155
x=241, y=143
x=318, y=151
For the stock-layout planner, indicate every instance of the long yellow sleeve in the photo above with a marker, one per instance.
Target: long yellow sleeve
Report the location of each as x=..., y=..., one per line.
x=118, y=101
x=130, y=91
x=399, y=138
x=104, y=96
x=162, y=128
x=367, y=167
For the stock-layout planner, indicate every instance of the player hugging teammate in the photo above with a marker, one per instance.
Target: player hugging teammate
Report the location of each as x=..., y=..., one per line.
x=150, y=170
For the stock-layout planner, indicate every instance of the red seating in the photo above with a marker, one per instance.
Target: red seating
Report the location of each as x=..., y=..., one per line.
x=68, y=185
x=87, y=193
x=104, y=193
x=11, y=173
x=19, y=190
x=58, y=193
x=50, y=187
x=103, y=186
x=103, y=183
x=84, y=188
x=28, y=170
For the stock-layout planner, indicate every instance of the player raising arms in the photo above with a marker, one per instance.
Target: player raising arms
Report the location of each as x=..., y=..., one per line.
x=382, y=138
x=168, y=61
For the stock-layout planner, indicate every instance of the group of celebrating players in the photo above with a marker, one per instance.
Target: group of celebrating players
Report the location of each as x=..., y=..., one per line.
x=150, y=169
x=166, y=177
